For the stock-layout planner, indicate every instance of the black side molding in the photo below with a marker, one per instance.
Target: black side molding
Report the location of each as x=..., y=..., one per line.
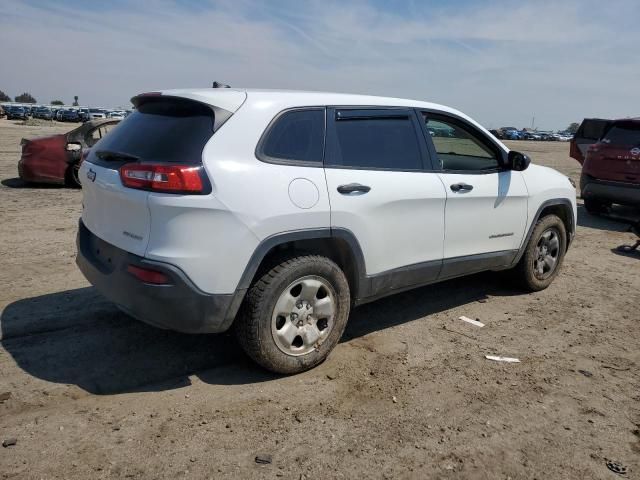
x=372, y=287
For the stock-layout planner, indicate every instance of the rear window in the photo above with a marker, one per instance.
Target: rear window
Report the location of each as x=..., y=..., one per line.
x=592, y=128
x=623, y=135
x=163, y=130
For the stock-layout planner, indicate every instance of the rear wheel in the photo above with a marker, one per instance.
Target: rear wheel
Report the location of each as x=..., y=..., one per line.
x=73, y=175
x=294, y=314
x=544, y=254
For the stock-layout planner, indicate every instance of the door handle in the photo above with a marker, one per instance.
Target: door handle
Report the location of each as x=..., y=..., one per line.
x=352, y=188
x=461, y=187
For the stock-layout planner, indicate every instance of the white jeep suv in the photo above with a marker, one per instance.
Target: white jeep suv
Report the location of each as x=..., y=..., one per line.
x=276, y=212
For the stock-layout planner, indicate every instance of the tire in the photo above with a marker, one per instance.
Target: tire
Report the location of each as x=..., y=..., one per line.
x=71, y=178
x=279, y=326
x=549, y=232
x=595, y=206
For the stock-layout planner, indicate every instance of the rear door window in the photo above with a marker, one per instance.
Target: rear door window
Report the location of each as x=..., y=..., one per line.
x=375, y=140
x=161, y=130
x=295, y=136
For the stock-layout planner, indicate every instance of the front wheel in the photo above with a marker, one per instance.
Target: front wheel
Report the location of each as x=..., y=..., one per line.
x=294, y=314
x=544, y=254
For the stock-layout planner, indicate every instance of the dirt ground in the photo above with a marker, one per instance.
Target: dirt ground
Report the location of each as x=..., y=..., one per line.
x=90, y=393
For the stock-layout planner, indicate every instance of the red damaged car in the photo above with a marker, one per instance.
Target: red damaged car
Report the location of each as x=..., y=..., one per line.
x=56, y=159
x=609, y=151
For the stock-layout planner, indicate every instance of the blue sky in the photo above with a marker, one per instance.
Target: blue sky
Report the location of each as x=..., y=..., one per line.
x=501, y=61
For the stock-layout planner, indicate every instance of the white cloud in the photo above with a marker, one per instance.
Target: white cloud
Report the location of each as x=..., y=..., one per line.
x=501, y=62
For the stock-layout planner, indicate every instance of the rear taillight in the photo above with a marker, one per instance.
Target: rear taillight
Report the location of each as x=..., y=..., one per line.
x=163, y=178
x=148, y=275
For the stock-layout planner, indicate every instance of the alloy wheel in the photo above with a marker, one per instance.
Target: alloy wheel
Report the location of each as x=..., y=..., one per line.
x=547, y=254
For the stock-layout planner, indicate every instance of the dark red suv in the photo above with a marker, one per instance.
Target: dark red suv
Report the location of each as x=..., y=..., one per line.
x=609, y=151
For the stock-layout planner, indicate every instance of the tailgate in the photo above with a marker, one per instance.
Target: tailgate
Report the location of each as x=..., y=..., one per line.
x=116, y=214
x=162, y=131
x=617, y=156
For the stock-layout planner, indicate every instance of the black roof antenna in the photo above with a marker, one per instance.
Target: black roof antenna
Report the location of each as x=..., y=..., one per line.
x=220, y=85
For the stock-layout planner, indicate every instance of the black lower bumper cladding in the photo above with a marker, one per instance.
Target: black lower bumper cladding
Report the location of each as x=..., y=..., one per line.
x=178, y=305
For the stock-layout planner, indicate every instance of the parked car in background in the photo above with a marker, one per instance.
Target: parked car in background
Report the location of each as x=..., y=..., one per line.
x=512, y=133
x=353, y=198
x=497, y=134
x=43, y=113
x=57, y=158
x=530, y=135
x=70, y=115
x=17, y=113
x=84, y=114
x=609, y=151
x=565, y=136
x=96, y=113
x=546, y=136
x=116, y=114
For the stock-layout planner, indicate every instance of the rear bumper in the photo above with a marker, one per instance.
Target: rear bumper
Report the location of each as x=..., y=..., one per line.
x=180, y=306
x=615, y=192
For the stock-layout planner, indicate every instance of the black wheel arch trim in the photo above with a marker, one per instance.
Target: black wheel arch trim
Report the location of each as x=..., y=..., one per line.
x=563, y=202
x=296, y=235
x=266, y=245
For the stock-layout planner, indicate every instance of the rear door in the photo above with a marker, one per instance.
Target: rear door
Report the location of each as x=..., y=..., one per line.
x=165, y=130
x=382, y=190
x=589, y=132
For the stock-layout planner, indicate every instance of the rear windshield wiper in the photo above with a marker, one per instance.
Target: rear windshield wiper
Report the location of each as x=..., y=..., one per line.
x=110, y=155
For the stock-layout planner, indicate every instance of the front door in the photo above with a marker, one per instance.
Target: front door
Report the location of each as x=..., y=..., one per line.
x=486, y=209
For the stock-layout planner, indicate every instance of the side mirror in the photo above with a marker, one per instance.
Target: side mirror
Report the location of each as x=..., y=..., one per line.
x=518, y=161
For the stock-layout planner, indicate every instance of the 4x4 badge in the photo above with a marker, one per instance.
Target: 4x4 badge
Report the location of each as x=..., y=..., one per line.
x=635, y=151
x=91, y=175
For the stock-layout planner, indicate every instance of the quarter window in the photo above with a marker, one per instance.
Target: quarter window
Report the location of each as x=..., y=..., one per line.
x=297, y=135
x=376, y=142
x=457, y=147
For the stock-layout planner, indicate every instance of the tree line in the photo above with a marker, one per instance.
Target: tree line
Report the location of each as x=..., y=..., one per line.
x=26, y=97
